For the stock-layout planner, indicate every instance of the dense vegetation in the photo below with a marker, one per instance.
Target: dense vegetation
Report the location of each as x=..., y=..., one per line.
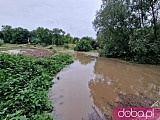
x=39, y=36
x=86, y=44
x=24, y=84
x=129, y=29
x=1, y=42
x=45, y=36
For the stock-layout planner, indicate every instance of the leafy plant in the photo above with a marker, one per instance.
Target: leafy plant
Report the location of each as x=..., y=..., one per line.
x=83, y=45
x=1, y=42
x=35, y=41
x=24, y=84
x=66, y=46
x=129, y=29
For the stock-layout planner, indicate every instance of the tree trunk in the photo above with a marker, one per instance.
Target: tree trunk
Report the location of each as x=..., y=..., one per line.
x=154, y=21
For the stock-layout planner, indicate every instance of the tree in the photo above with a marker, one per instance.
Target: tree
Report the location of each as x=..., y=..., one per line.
x=44, y=35
x=129, y=29
x=83, y=45
x=20, y=35
x=112, y=22
x=92, y=42
x=1, y=35
x=14, y=35
x=7, y=33
x=154, y=8
x=32, y=34
x=58, y=36
x=75, y=40
x=68, y=38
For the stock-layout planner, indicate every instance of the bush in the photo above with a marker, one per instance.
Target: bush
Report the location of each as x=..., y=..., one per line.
x=24, y=84
x=1, y=42
x=12, y=42
x=35, y=41
x=66, y=46
x=83, y=45
x=92, y=42
x=144, y=48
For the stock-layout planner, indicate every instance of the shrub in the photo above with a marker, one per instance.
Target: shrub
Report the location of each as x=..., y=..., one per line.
x=66, y=46
x=83, y=45
x=1, y=42
x=12, y=42
x=35, y=41
x=93, y=42
x=144, y=48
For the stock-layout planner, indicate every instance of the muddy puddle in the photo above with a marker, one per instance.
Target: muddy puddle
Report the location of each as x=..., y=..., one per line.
x=96, y=82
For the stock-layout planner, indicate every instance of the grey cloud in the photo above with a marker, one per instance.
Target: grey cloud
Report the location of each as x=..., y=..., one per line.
x=73, y=16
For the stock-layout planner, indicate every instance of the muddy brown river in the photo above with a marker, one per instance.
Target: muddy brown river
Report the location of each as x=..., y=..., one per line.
x=95, y=82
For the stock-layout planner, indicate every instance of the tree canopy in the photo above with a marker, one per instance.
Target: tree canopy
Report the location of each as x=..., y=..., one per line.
x=41, y=35
x=129, y=29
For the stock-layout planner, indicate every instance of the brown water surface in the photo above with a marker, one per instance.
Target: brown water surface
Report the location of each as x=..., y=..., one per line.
x=93, y=81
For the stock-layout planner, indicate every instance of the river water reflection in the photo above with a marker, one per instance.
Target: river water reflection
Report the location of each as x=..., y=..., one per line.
x=94, y=81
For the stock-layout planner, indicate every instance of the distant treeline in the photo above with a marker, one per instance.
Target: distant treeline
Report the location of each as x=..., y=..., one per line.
x=129, y=29
x=39, y=36
x=45, y=36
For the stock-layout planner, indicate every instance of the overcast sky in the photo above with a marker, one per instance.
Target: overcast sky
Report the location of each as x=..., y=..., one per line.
x=73, y=16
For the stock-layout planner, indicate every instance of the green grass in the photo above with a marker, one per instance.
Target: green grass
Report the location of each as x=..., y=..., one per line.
x=7, y=46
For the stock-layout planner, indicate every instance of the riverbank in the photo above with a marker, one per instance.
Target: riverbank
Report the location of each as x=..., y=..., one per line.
x=95, y=82
x=24, y=84
x=92, y=86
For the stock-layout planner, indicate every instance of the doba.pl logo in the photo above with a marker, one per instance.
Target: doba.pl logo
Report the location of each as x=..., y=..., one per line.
x=136, y=113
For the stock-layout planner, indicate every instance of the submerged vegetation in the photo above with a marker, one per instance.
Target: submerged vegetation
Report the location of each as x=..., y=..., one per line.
x=24, y=84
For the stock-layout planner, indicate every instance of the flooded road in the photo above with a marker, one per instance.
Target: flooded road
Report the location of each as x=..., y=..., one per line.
x=93, y=81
